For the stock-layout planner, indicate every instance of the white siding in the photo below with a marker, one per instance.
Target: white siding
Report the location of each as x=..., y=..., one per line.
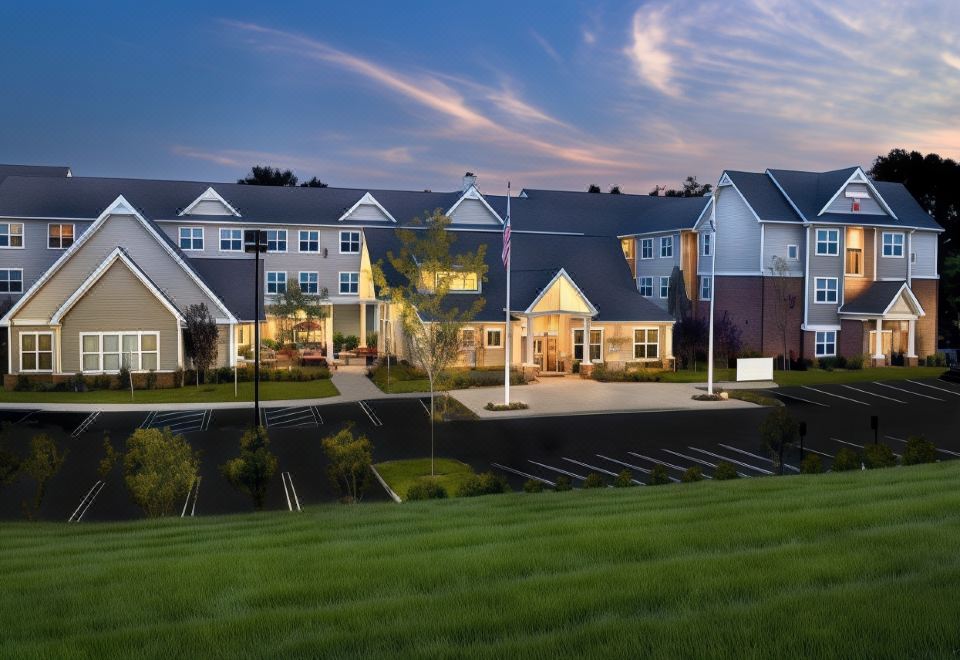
x=925, y=247
x=776, y=239
x=367, y=212
x=738, y=235
x=473, y=212
x=211, y=207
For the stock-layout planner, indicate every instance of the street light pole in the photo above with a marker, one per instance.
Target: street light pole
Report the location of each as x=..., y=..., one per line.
x=255, y=240
x=713, y=287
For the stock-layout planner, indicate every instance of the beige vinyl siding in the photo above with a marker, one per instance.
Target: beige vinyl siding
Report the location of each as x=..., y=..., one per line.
x=118, y=302
x=844, y=204
x=34, y=258
x=368, y=213
x=223, y=346
x=346, y=320
x=211, y=207
x=143, y=249
x=473, y=212
x=14, y=343
x=925, y=247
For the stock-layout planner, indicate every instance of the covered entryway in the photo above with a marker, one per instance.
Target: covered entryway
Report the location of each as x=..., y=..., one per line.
x=889, y=313
x=547, y=327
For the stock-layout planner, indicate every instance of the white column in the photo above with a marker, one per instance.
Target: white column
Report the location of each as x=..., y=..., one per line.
x=529, y=339
x=586, y=340
x=363, y=325
x=878, y=347
x=328, y=331
x=912, y=339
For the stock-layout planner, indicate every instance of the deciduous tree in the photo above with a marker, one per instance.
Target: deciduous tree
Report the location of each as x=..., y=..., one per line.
x=252, y=471
x=778, y=431
x=350, y=460
x=42, y=464
x=200, y=337
x=159, y=470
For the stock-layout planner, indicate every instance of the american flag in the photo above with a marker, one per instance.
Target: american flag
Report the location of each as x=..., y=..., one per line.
x=505, y=255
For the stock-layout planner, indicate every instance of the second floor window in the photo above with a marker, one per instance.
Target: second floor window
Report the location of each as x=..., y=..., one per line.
x=309, y=241
x=646, y=248
x=854, y=264
x=349, y=284
x=11, y=280
x=231, y=240
x=666, y=247
x=276, y=282
x=793, y=253
x=627, y=245
x=310, y=282
x=828, y=242
x=646, y=286
x=706, y=245
x=664, y=287
x=276, y=240
x=59, y=236
x=349, y=242
x=892, y=244
x=825, y=290
x=191, y=238
x=11, y=235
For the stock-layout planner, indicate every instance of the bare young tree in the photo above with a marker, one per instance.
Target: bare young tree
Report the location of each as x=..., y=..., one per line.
x=783, y=302
x=426, y=267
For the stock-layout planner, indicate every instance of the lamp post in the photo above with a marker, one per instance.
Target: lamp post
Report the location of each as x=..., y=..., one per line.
x=255, y=240
x=713, y=287
x=803, y=433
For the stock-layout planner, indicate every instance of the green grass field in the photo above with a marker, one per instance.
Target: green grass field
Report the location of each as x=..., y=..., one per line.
x=861, y=564
x=400, y=475
x=810, y=376
x=269, y=391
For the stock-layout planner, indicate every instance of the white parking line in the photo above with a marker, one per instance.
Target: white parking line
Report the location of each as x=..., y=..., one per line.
x=192, y=493
x=288, y=481
x=944, y=451
x=569, y=474
x=425, y=408
x=85, y=424
x=934, y=387
x=797, y=398
x=730, y=460
x=370, y=413
x=24, y=418
x=900, y=389
x=845, y=398
x=317, y=417
x=658, y=462
x=765, y=459
x=817, y=451
x=632, y=467
x=86, y=502
x=523, y=474
x=291, y=417
x=853, y=444
x=699, y=461
x=881, y=396
x=599, y=469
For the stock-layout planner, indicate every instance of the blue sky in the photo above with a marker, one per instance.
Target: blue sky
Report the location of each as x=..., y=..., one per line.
x=409, y=95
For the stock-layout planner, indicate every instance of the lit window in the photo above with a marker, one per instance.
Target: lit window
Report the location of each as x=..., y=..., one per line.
x=494, y=339
x=646, y=248
x=108, y=351
x=892, y=244
x=36, y=351
x=309, y=282
x=826, y=343
x=828, y=242
x=706, y=287
x=191, y=238
x=11, y=235
x=231, y=240
x=349, y=242
x=666, y=247
x=646, y=286
x=468, y=338
x=596, y=345
x=457, y=281
x=825, y=289
x=309, y=240
x=11, y=280
x=59, y=236
x=350, y=284
x=627, y=245
x=276, y=240
x=646, y=344
x=664, y=287
x=276, y=281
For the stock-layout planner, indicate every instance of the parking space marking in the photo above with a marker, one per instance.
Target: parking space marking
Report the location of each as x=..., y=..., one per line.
x=900, y=389
x=293, y=417
x=523, y=474
x=699, y=461
x=370, y=413
x=656, y=462
x=853, y=444
x=178, y=421
x=425, y=409
x=85, y=424
x=845, y=398
x=797, y=398
x=817, y=451
x=632, y=467
x=86, y=502
x=561, y=471
x=730, y=460
x=934, y=387
x=599, y=469
x=29, y=414
x=289, y=490
x=192, y=494
x=943, y=451
x=765, y=459
x=881, y=396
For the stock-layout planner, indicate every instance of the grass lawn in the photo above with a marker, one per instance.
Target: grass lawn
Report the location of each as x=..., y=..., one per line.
x=404, y=378
x=269, y=391
x=861, y=564
x=810, y=376
x=400, y=475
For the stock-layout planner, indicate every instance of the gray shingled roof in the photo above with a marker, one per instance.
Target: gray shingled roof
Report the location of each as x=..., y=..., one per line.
x=231, y=280
x=33, y=170
x=763, y=196
x=874, y=299
x=810, y=191
x=595, y=264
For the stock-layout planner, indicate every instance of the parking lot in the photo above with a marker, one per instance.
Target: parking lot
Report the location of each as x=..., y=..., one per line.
x=520, y=448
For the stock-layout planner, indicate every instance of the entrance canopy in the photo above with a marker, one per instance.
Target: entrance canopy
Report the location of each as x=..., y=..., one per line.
x=561, y=296
x=886, y=300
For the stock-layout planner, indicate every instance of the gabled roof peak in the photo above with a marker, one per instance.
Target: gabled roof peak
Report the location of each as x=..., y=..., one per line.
x=209, y=195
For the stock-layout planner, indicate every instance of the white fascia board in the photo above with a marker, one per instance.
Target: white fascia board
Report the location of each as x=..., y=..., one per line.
x=912, y=299
x=728, y=182
x=369, y=200
x=819, y=328
x=859, y=176
x=473, y=193
x=117, y=255
x=561, y=273
x=703, y=213
x=210, y=195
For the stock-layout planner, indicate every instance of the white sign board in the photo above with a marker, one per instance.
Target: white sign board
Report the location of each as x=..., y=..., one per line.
x=754, y=369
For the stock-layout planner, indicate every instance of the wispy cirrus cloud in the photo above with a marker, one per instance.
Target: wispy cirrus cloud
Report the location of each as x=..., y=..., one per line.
x=546, y=46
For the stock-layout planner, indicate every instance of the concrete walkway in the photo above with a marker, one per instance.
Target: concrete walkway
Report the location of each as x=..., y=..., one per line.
x=572, y=395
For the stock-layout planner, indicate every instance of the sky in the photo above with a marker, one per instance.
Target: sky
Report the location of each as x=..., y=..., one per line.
x=411, y=95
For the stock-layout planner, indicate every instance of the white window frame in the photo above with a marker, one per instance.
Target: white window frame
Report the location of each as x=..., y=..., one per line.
x=9, y=281
x=796, y=253
x=645, y=282
x=191, y=229
x=120, y=335
x=10, y=235
x=36, y=352
x=664, y=287
x=452, y=276
x=230, y=239
x=709, y=282
x=277, y=240
x=706, y=244
x=468, y=344
x=830, y=242
x=486, y=338
x=646, y=344
x=827, y=290
x=73, y=234
x=276, y=283
x=301, y=240
x=316, y=281
x=892, y=245
x=644, y=244
x=585, y=349
x=825, y=342
x=349, y=282
x=666, y=247
x=349, y=233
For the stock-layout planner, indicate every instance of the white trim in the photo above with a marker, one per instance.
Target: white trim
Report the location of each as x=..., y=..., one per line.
x=806, y=278
x=22, y=235
x=640, y=287
x=369, y=200
x=266, y=282
x=340, y=283
x=705, y=235
x=903, y=244
x=725, y=180
x=209, y=195
x=660, y=287
x=642, y=241
x=816, y=242
x=220, y=239
x=796, y=248
x=826, y=290
x=763, y=242
x=37, y=351
x=635, y=343
x=10, y=270
x=100, y=271
x=486, y=332
x=473, y=193
x=912, y=299
x=819, y=327
x=561, y=273
x=825, y=342
x=785, y=195
x=73, y=234
x=350, y=231
x=662, y=245
x=120, y=352
x=703, y=213
x=587, y=343
x=203, y=238
x=286, y=241
x=700, y=279
x=300, y=275
x=858, y=176
x=876, y=253
x=120, y=206
x=319, y=249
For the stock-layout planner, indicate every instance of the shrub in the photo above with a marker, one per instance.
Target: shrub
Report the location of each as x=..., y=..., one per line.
x=159, y=469
x=252, y=471
x=513, y=405
x=102, y=382
x=337, y=342
x=426, y=489
x=562, y=483
x=110, y=458
x=659, y=476
x=937, y=360
x=811, y=464
x=42, y=464
x=576, y=366
x=486, y=483
x=919, y=450
x=22, y=384
x=603, y=373
x=593, y=480
x=77, y=383
x=350, y=342
x=725, y=471
x=533, y=486
x=846, y=459
x=692, y=474
x=123, y=379
x=372, y=338
x=151, y=380
x=624, y=479
x=879, y=456
x=855, y=363
x=350, y=462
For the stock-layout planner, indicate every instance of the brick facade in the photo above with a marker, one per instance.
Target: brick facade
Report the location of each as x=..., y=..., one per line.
x=926, y=292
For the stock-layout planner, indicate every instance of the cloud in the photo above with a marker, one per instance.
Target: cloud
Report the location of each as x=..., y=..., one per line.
x=546, y=46
x=951, y=59
x=648, y=50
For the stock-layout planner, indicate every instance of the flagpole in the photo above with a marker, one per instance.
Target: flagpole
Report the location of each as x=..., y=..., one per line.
x=507, y=345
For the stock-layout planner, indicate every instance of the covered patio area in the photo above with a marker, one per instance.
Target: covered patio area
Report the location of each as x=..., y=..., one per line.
x=886, y=314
